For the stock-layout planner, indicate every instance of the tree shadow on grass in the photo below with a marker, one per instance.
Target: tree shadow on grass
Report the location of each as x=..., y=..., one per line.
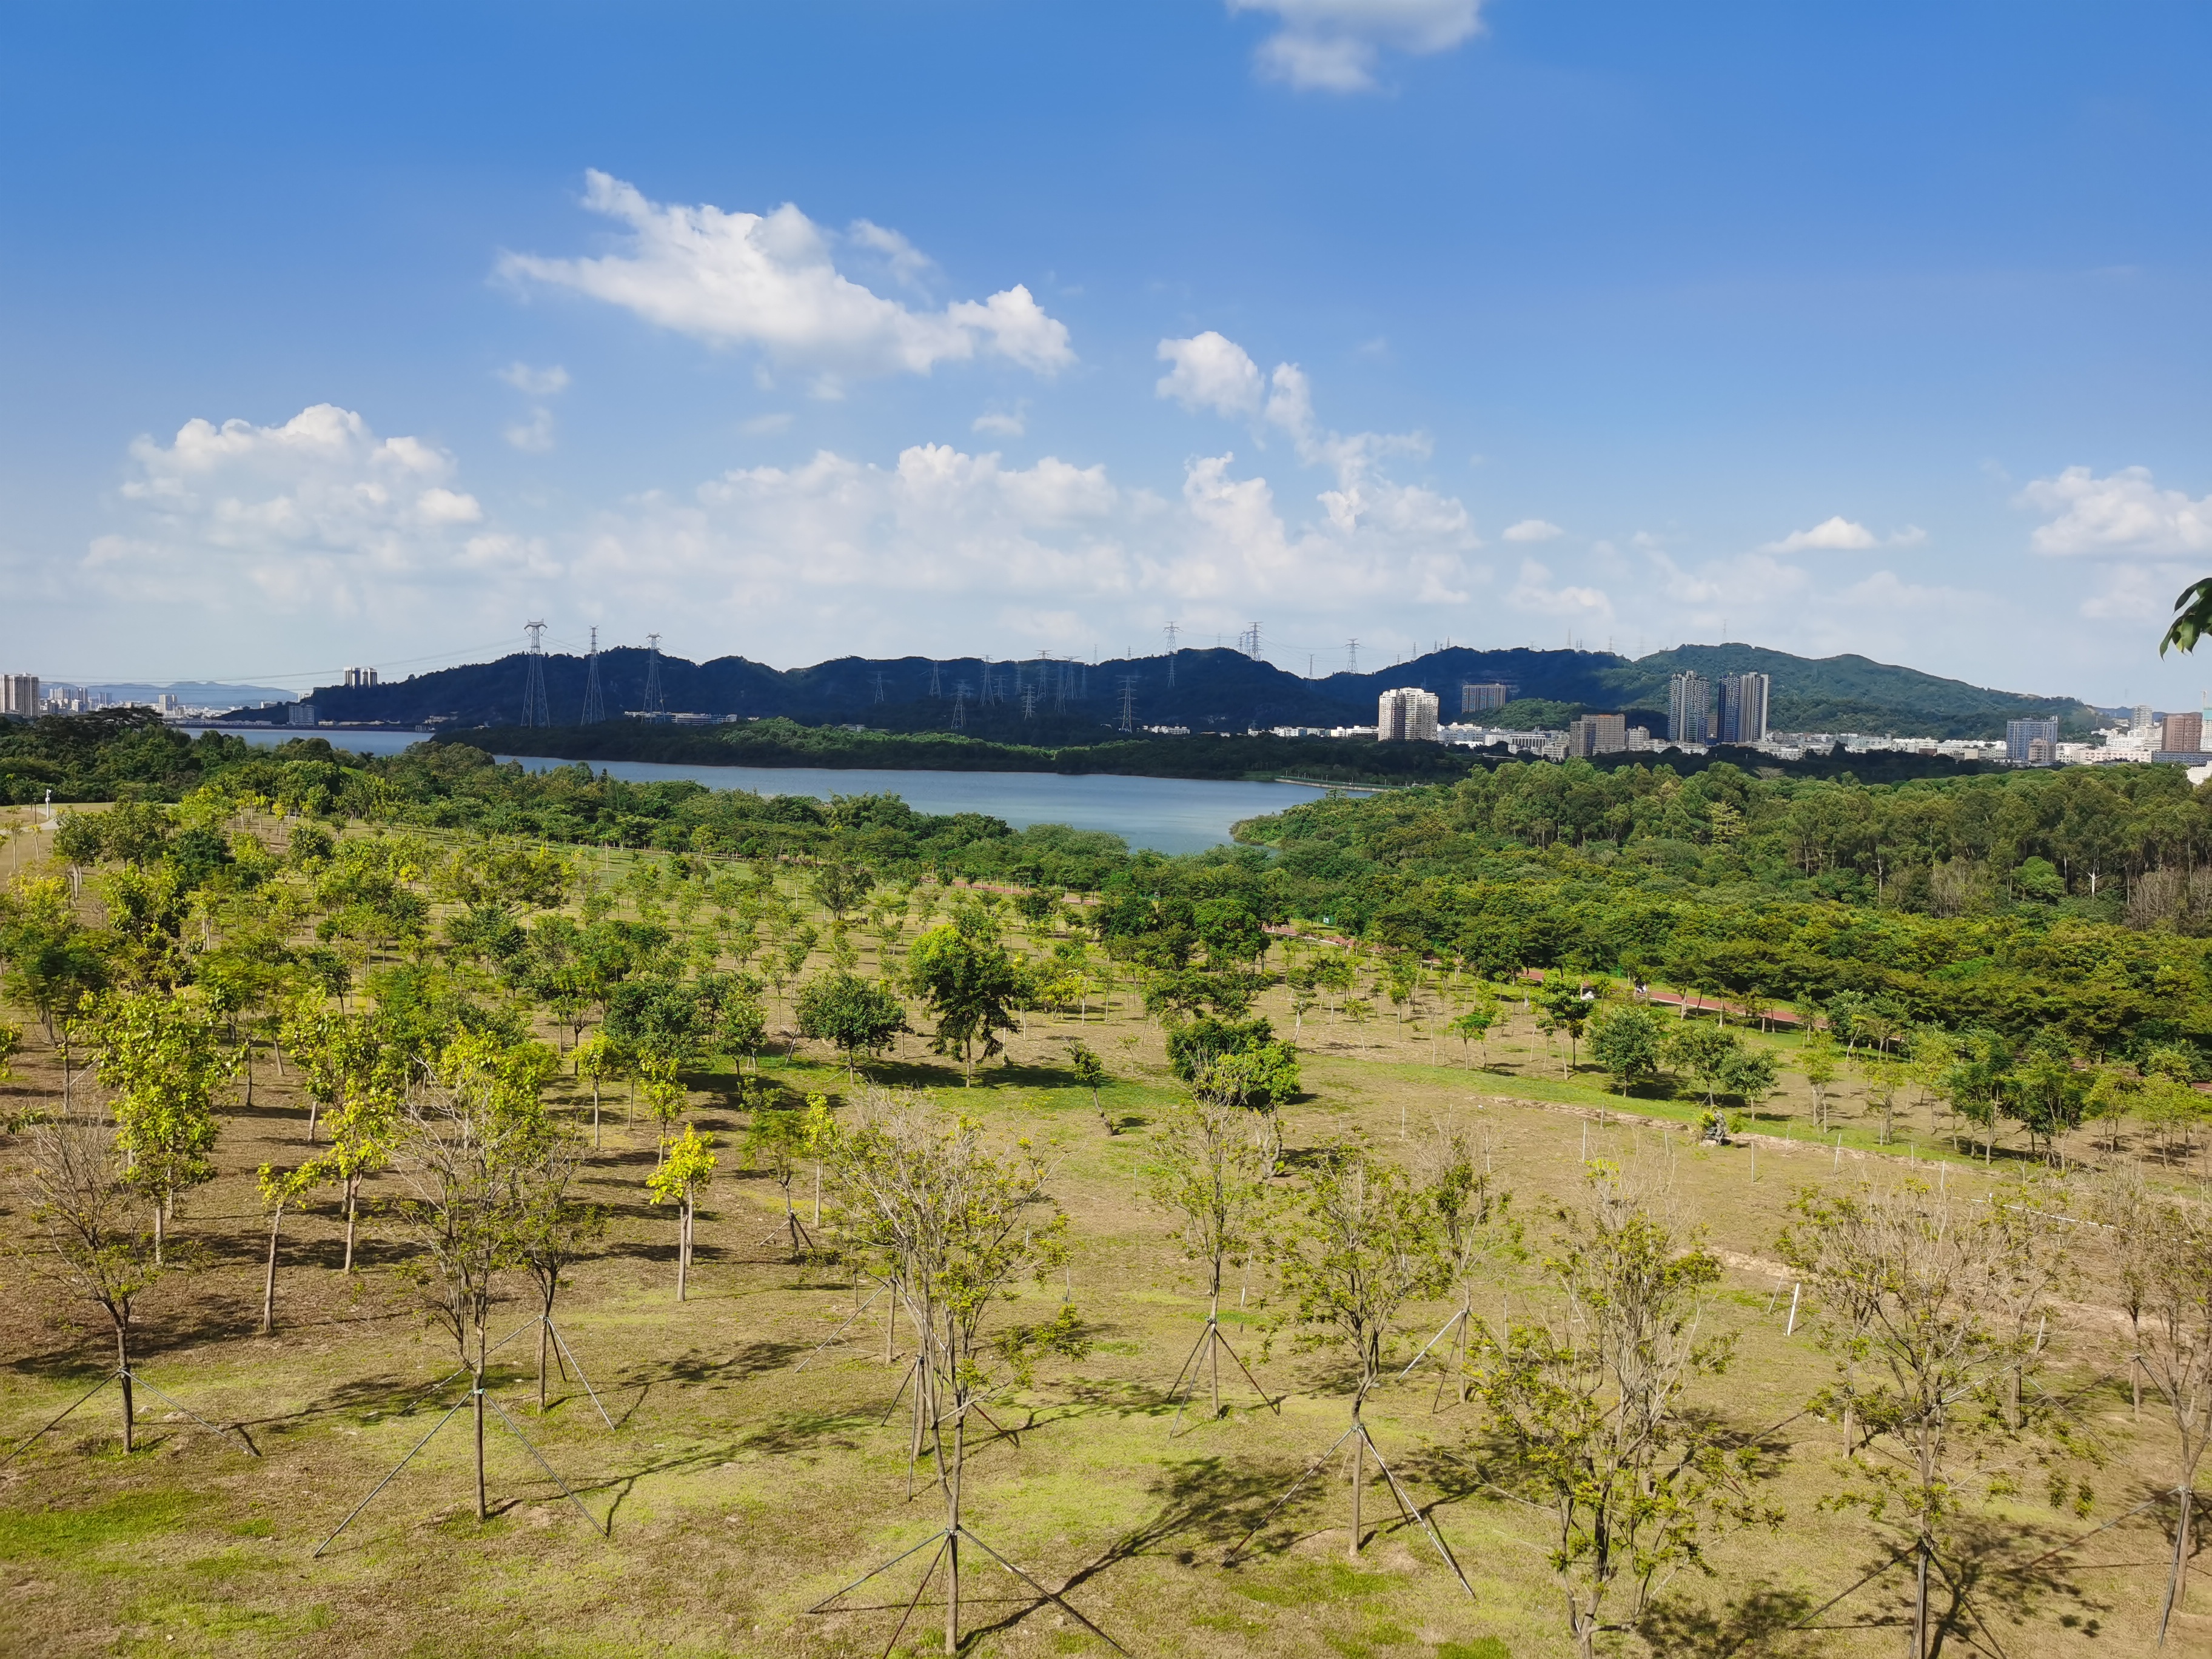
x=753, y=1359
x=1204, y=1502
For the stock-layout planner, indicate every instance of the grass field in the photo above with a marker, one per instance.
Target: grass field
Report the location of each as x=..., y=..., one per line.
x=737, y=1490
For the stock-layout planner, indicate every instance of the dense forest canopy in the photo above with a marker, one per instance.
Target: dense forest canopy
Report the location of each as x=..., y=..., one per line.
x=2073, y=902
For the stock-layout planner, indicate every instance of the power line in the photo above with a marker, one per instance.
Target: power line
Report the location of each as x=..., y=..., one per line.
x=654, y=705
x=534, y=711
x=595, y=707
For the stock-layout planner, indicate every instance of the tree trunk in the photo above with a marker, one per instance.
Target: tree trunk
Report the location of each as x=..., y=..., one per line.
x=683, y=1250
x=313, y=1106
x=952, y=1539
x=353, y=1192
x=2177, y=1580
x=478, y=1402
x=122, y=1377
x=269, y=1277
x=158, y=1232
x=1358, y=1469
x=1920, y=1606
x=545, y=1326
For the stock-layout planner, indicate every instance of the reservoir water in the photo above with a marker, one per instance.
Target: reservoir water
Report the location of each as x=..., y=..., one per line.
x=1168, y=815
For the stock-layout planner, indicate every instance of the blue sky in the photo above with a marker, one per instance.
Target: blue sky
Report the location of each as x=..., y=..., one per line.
x=334, y=336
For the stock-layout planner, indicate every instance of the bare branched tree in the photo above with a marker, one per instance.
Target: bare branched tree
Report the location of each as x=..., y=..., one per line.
x=83, y=1199
x=1933, y=1313
x=1590, y=1413
x=1212, y=1177
x=952, y=1225
x=2162, y=1249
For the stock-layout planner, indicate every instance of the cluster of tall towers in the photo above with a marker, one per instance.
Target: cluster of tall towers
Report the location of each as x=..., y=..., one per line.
x=1729, y=709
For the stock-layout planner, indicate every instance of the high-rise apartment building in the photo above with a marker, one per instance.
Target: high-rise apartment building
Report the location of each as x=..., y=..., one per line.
x=2020, y=734
x=19, y=695
x=1483, y=697
x=1740, y=708
x=1406, y=715
x=2143, y=720
x=1598, y=734
x=360, y=677
x=2177, y=734
x=1690, y=708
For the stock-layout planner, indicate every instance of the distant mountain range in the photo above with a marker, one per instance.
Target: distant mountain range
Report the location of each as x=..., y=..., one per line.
x=1053, y=702
x=193, y=694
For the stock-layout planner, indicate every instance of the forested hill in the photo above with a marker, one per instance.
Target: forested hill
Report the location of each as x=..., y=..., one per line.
x=1052, y=701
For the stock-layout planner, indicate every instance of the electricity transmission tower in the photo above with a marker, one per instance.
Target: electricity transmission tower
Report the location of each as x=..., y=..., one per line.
x=1029, y=703
x=1170, y=629
x=1352, y=657
x=595, y=707
x=936, y=686
x=1248, y=640
x=534, y=712
x=880, y=688
x=655, y=706
x=1128, y=703
x=960, y=705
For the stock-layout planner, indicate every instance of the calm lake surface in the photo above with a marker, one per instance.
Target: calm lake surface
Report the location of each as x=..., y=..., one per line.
x=1169, y=815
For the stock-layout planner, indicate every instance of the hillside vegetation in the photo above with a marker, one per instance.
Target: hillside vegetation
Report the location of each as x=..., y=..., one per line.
x=1586, y=1147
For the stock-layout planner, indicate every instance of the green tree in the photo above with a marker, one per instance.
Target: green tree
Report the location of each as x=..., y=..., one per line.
x=683, y=1175
x=970, y=983
x=166, y=1061
x=859, y=1015
x=598, y=1058
x=1817, y=1060
x=1591, y=1410
x=279, y=1188
x=1706, y=1052
x=1473, y=1026
x=54, y=960
x=1561, y=1007
x=840, y=886
x=1628, y=1043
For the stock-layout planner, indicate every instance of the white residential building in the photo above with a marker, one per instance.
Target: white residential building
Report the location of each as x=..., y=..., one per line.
x=1406, y=715
x=19, y=695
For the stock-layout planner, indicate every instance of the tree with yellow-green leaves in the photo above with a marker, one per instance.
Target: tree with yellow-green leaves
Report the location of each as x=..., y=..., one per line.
x=598, y=1058
x=165, y=1060
x=279, y=1188
x=686, y=1166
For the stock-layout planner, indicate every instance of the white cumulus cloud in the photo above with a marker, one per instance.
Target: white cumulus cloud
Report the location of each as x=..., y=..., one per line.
x=1533, y=530
x=2122, y=513
x=318, y=514
x=1332, y=46
x=771, y=281
x=1841, y=535
x=1210, y=371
